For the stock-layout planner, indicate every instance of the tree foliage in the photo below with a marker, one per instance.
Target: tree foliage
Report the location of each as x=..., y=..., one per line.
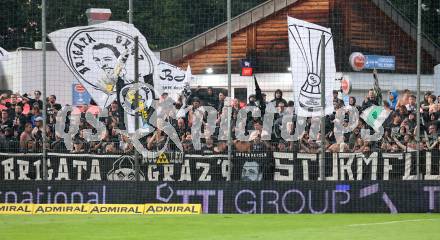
x=165, y=23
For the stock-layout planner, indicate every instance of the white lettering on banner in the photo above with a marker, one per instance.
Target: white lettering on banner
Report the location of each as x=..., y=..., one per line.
x=204, y=176
x=173, y=157
x=407, y=175
x=49, y=170
x=226, y=169
x=168, y=171
x=428, y=175
x=371, y=160
x=387, y=167
x=287, y=166
x=334, y=176
x=37, y=165
x=63, y=170
x=8, y=166
x=95, y=173
x=306, y=157
x=346, y=167
x=283, y=167
x=152, y=174
x=80, y=165
x=23, y=170
x=185, y=172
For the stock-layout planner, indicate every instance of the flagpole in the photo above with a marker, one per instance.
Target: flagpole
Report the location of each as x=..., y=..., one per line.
x=43, y=90
x=419, y=41
x=130, y=11
x=322, y=158
x=136, y=102
x=229, y=37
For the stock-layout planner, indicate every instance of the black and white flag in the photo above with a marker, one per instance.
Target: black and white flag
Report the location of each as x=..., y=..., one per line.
x=100, y=54
x=305, y=62
x=172, y=79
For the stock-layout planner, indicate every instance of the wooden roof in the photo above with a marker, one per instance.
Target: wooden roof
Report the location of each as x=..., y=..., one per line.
x=260, y=34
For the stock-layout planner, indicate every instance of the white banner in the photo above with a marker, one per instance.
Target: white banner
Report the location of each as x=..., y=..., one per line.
x=305, y=62
x=171, y=79
x=97, y=55
x=4, y=55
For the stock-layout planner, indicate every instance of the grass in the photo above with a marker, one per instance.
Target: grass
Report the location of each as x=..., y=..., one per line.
x=224, y=227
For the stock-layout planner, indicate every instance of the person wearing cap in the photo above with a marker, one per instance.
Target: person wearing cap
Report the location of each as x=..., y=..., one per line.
x=252, y=100
x=38, y=129
x=393, y=98
x=35, y=113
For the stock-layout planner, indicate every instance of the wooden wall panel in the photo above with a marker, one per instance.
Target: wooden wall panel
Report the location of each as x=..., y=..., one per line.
x=357, y=26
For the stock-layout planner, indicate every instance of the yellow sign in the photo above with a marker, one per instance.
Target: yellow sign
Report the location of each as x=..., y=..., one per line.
x=61, y=208
x=175, y=209
x=100, y=209
x=162, y=159
x=116, y=209
x=16, y=208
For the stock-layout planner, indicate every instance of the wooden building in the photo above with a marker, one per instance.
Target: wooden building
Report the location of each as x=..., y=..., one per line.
x=260, y=34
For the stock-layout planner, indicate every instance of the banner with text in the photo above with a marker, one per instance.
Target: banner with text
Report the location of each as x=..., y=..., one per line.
x=262, y=166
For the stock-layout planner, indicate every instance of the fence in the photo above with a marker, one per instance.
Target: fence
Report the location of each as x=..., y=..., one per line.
x=264, y=79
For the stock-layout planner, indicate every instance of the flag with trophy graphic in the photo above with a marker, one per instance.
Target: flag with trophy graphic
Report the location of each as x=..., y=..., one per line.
x=305, y=62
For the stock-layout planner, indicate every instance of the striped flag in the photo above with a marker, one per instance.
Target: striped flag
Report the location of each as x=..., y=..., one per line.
x=375, y=116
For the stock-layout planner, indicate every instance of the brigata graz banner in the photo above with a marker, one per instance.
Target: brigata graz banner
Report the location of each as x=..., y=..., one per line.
x=240, y=197
x=255, y=166
x=167, y=167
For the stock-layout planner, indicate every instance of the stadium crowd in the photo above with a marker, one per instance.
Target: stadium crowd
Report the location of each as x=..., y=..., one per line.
x=22, y=125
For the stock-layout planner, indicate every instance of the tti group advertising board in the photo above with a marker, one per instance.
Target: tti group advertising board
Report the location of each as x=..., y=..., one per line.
x=292, y=197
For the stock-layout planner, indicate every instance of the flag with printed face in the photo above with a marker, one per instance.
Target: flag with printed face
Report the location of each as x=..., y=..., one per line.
x=100, y=54
x=375, y=116
x=305, y=61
